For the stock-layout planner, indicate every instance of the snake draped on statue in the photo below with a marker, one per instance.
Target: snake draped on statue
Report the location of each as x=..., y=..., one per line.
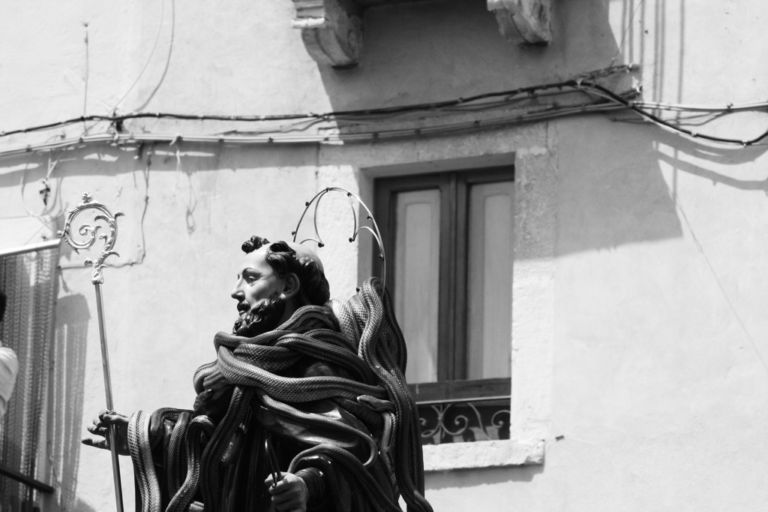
x=322, y=396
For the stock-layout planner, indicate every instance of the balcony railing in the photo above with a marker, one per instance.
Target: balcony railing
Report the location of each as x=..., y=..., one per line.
x=463, y=411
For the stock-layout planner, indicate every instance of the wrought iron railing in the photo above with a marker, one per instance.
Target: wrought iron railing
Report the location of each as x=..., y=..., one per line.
x=463, y=411
x=479, y=419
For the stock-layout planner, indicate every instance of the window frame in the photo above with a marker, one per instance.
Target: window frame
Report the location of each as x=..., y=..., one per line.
x=454, y=187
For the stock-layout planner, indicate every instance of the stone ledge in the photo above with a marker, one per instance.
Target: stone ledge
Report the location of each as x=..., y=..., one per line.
x=482, y=454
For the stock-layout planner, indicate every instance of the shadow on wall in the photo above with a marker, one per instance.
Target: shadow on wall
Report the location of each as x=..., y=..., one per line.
x=416, y=52
x=610, y=187
x=610, y=190
x=134, y=179
x=72, y=318
x=490, y=476
x=684, y=149
x=430, y=51
x=103, y=160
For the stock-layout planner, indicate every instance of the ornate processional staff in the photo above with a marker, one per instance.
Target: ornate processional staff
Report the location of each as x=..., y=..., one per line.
x=86, y=237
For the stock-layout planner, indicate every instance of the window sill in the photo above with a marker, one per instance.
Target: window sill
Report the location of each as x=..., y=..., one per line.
x=482, y=454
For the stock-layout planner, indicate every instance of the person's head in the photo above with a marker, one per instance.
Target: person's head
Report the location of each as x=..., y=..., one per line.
x=273, y=281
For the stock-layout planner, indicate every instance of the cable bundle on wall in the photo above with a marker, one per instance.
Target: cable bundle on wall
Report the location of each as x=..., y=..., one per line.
x=516, y=106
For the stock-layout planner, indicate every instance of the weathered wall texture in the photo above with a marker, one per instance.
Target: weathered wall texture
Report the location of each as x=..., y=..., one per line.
x=640, y=254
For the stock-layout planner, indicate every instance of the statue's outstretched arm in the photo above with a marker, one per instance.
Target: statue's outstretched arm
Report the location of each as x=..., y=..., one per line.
x=100, y=428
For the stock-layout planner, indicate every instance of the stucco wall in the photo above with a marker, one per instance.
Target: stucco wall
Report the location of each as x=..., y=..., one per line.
x=650, y=386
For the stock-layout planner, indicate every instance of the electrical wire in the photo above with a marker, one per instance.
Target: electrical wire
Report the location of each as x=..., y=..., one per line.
x=608, y=94
x=234, y=137
x=87, y=72
x=149, y=58
x=167, y=59
x=730, y=107
x=625, y=30
x=601, y=99
x=44, y=216
x=417, y=107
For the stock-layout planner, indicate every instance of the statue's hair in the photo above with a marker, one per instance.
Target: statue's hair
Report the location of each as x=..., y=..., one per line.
x=2, y=305
x=253, y=243
x=284, y=260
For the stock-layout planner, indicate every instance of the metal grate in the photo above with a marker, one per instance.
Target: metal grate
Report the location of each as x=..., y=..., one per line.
x=28, y=278
x=463, y=410
x=462, y=421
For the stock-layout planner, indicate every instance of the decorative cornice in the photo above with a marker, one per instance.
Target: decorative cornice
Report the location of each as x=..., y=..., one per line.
x=332, y=30
x=529, y=18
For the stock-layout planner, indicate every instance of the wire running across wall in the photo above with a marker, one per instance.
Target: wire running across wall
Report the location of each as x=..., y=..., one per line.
x=498, y=108
x=29, y=278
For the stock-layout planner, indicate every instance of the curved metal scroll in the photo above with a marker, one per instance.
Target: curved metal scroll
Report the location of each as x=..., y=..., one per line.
x=354, y=201
x=466, y=420
x=87, y=234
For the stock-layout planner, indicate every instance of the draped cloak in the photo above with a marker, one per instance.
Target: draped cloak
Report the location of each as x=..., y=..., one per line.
x=322, y=396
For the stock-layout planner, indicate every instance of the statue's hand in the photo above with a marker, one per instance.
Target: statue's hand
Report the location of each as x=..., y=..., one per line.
x=100, y=427
x=289, y=494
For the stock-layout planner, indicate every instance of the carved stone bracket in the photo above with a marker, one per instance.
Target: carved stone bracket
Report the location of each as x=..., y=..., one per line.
x=529, y=18
x=332, y=30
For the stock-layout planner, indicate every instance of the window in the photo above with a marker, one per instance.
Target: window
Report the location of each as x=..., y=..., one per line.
x=449, y=237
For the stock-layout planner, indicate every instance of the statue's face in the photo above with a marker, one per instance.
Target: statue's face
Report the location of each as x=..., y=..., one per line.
x=257, y=291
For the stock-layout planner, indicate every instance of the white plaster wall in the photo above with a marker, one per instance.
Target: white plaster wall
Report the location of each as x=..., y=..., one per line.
x=654, y=393
x=660, y=405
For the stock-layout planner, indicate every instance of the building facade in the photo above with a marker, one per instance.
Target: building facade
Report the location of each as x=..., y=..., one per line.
x=572, y=197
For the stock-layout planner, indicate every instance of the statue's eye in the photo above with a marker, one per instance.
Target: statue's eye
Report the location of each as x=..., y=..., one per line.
x=250, y=277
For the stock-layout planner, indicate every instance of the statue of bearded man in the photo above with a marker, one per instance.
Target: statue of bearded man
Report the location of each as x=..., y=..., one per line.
x=303, y=409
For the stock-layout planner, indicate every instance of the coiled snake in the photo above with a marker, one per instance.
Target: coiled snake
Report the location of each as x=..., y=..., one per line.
x=361, y=339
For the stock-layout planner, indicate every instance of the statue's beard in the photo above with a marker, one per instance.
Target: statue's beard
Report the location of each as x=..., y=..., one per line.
x=264, y=317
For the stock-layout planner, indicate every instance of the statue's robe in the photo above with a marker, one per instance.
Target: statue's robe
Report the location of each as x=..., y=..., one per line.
x=322, y=396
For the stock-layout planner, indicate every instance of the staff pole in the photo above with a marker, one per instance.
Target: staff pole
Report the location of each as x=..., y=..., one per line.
x=87, y=234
